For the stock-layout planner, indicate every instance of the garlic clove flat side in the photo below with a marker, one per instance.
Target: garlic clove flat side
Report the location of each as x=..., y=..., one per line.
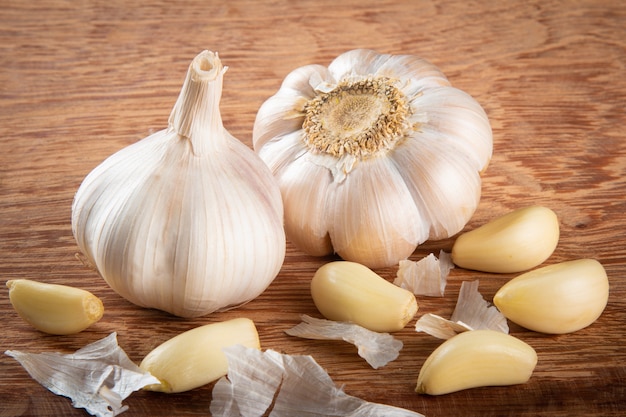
x=476, y=358
x=54, y=308
x=556, y=299
x=515, y=242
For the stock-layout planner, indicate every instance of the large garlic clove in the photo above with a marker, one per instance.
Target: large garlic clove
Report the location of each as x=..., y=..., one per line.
x=196, y=357
x=515, y=242
x=476, y=358
x=556, y=299
x=351, y=292
x=189, y=219
x=390, y=144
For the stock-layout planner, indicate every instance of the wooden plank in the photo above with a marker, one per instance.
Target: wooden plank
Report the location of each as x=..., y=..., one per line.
x=81, y=80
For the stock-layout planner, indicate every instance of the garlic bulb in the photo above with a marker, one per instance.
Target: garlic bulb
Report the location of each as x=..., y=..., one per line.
x=374, y=155
x=189, y=219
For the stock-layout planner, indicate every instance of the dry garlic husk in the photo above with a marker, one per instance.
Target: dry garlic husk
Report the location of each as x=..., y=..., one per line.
x=281, y=385
x=189, y=219
x=378, y=349
x=374, y=155
x=472, y=312
x=97, y=377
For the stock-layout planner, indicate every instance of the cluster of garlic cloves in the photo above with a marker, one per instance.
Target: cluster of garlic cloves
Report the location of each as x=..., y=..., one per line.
x=374, y=155
x=189, y=219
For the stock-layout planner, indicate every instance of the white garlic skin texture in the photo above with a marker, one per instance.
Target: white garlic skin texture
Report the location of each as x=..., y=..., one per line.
x=556, y=299
x=515, y=242
x=189, y=219
x=372, y=188
x=476, y=358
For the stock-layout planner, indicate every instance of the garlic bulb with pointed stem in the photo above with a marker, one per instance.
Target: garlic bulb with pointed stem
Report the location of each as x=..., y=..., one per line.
x=189, y=219
x=374, y=155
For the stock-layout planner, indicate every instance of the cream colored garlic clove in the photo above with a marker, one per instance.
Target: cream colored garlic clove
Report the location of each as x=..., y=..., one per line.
x=515, y=242
x=374, y=155
x=351, y=292
x=54, y=308
x=556, y=299
x=189, y=219
x=476, y=358
x=195, y=358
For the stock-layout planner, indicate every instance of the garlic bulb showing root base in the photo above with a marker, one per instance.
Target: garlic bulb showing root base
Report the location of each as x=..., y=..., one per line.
x=374, y=155
x=189, y=219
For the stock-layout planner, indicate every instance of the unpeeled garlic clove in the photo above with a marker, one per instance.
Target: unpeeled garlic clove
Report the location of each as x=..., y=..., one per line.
x=351, y=292
x=515, y=242
x=54, y=308
x=556, y=299
x=195, y=358
x=477, y=358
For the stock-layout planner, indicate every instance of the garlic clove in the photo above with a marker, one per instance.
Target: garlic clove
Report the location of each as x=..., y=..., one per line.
x=351, y=292
x=515, y=242
x=54, y=308
x=556, y=299
x=476, y=358
x=195, y=358
x=370, y=216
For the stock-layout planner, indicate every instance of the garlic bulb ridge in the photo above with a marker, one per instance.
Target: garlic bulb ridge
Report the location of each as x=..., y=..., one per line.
x=374, y=155
x=189, y=219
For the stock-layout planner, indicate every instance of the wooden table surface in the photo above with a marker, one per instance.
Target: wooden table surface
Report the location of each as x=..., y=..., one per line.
x=80, y=80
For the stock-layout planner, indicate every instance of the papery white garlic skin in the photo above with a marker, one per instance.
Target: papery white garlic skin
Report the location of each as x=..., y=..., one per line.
x=189, y=219
x=556, y=299
x=374, y=155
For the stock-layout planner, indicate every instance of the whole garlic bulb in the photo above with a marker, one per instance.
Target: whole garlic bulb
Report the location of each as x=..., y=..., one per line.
x=374, y=155
x=189, y=219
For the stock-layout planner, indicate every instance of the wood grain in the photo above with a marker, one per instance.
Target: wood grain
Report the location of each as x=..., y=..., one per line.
x=80, y=80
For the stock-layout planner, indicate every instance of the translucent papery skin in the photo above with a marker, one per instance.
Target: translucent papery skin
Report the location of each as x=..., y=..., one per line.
x=376, y=210
x=188, y=226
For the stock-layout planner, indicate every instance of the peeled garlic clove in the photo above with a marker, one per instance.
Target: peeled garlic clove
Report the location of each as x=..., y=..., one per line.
x=195, y=358
x=188, y=220
x=476, y=358
x=515, y=242
x=351, y=292
x=53, y=308
x=370, y=154
x=556, y=299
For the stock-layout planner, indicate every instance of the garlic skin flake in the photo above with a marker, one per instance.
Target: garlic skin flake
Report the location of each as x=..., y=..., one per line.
x=428, y=276
x=287, y=386
x=189, y=219
x=374, y=155
x=472, y=312
x=97, y=377
x=378, y=349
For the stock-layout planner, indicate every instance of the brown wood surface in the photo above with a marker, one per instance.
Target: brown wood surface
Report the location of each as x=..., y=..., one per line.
x=80, y=80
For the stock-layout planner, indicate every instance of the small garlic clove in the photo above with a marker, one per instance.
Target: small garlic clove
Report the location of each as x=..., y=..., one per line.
x=514, y=242
x=476, y=358
x=351, y=292
x=195, y=358
x=53, y=308
x=556, y=299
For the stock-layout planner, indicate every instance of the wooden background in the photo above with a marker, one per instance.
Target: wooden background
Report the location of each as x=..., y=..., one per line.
x=81, y=79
